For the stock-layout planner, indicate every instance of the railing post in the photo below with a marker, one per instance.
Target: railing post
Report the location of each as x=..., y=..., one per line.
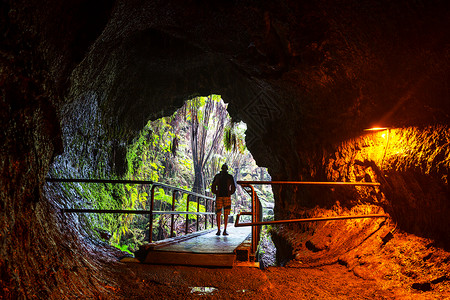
x=172, y=217
x=150, y=225
x=187, y=215
x=198, y=209
x=206, y=210
x=254, y=218
x=259, y=218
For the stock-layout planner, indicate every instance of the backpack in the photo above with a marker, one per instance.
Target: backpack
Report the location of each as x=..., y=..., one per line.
x=224, y=182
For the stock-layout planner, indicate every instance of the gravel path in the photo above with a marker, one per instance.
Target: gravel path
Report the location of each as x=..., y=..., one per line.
x=140, y=281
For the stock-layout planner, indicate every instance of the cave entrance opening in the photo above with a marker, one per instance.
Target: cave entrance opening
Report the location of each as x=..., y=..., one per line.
x=186, y=150
x=167, y=150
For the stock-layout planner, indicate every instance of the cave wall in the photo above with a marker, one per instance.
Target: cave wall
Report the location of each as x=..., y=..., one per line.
x=307, y=78
x=43, y=254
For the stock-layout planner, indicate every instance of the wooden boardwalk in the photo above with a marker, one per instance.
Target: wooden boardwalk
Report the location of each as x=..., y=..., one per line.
x=205, y=249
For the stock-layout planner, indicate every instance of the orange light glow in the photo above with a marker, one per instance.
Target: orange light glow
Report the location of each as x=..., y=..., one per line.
x=376, y=129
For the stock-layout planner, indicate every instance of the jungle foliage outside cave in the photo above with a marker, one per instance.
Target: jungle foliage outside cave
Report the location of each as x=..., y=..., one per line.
x=184, y=150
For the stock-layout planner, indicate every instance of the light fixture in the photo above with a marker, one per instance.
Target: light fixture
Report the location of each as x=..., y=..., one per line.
x=376, y=129
x=387, y=141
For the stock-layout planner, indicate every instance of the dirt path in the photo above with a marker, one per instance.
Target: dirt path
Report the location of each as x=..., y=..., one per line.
x=139, y=281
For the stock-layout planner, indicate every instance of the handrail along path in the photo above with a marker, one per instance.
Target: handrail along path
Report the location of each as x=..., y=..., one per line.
x=256, y=211
x=150, y=212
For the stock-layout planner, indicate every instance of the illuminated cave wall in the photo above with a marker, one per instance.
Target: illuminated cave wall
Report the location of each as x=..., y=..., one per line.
x=412, y=165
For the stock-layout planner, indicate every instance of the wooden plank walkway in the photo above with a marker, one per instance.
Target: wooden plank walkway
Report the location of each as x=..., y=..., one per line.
x=202, y=250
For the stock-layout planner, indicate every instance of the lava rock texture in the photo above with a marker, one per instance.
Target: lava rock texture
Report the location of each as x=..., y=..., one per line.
x=306, y=76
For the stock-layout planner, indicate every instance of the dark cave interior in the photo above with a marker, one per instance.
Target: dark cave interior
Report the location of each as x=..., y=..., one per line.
x=307, y=78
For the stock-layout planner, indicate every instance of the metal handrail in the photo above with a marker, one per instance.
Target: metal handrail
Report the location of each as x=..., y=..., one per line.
x=124, y=181
x=255, y=213
x=331, y=183
x=256, y=223
x=190, y=194
x=150, y=212
x=237, y=224
x=132, y=211
x=84, y=180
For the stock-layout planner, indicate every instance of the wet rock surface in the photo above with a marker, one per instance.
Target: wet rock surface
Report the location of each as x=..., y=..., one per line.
x=267, y=252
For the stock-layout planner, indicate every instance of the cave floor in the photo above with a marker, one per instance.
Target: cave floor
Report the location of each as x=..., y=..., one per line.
x=139, y=281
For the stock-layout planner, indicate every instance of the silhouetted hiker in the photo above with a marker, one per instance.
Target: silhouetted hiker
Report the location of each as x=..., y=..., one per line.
x=223, y=187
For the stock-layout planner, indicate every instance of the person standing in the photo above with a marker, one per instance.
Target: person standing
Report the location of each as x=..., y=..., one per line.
x=223, y=187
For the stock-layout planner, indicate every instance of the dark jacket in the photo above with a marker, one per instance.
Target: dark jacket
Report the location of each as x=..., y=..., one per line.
x=223, y=185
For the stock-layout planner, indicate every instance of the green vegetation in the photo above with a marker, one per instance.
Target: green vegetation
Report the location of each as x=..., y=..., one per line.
x=184, y=150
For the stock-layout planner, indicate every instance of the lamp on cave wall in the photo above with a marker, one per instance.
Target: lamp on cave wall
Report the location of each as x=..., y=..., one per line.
x=376, y=129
